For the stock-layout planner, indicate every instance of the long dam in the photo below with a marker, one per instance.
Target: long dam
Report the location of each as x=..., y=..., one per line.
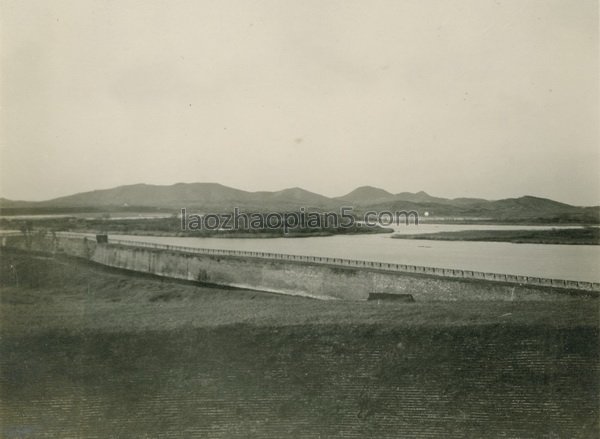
x=318, y=277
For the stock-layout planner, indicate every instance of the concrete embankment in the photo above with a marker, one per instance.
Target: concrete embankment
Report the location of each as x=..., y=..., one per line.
x=324, y=278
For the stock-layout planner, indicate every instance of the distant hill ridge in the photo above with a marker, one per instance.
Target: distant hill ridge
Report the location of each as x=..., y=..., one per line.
x=217, y=197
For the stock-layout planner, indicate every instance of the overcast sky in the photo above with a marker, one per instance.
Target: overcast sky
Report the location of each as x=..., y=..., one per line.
x=481, y=98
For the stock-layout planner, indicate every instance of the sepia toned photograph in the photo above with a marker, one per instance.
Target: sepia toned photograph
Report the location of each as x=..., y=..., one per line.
x=299, y=219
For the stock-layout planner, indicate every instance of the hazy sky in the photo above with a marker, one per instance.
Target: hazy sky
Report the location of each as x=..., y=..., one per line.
x=458, y=98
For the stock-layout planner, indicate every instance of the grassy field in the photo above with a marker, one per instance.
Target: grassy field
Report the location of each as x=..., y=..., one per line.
x=584, y=235
x=172, y=226
x=91, y=352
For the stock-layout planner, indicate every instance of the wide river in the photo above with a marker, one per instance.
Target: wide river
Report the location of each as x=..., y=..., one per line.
x=572, y=262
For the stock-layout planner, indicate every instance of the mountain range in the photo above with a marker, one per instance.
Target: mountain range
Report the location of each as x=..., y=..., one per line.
x=214, y=197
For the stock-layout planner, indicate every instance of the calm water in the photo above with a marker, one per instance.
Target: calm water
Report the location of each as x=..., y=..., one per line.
x=572, y=262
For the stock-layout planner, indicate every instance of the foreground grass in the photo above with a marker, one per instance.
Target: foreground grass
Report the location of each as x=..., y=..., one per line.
x=92, y=352
x=582, y=236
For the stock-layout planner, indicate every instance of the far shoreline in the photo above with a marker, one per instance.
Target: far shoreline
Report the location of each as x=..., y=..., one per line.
x=554, y=236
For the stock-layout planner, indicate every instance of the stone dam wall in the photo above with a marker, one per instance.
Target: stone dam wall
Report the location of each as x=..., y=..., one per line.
x=319, y=277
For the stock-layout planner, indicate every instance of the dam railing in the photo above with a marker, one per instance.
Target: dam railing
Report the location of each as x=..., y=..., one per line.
x=362, y=264
x=342, y=262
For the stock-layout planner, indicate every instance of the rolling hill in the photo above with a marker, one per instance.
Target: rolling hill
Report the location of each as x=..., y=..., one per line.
x=215, y=197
